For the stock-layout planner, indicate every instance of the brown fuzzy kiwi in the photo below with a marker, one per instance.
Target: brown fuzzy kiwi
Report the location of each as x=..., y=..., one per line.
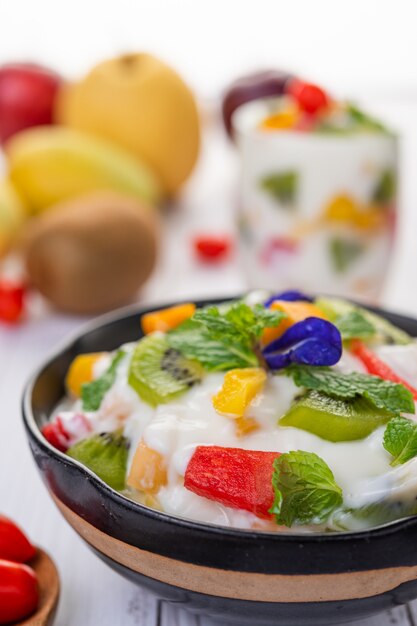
x=91, y=254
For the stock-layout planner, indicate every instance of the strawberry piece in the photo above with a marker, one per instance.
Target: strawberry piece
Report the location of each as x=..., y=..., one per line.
x=234, y=477
x=310, y=98
x=212, y=248
x=56, y=435
x=12, y=296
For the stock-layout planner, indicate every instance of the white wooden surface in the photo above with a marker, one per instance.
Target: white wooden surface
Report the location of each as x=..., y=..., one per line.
x=91, y=593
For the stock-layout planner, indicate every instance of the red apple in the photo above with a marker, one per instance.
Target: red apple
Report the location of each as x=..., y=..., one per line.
x=27, y=94
x=252, y=87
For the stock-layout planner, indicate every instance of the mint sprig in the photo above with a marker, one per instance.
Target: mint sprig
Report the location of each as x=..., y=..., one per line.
x=305, y=489
x=224, y=338
x=354, y=325
x=391, y=397
x=400, y=440
x=92, y=394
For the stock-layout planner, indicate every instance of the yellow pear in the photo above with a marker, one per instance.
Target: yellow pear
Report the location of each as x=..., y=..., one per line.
x=12, y=215
x=48, y=164
x=140, y=103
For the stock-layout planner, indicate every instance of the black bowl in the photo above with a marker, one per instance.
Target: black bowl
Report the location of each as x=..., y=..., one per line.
x=241, y=576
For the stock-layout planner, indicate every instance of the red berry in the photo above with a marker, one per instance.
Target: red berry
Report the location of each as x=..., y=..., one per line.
x=311, y=98
x=212, y=249
x=12, y=297
x=55, y=434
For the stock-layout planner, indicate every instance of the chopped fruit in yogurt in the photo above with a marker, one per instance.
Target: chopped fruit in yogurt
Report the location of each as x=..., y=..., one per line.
x=239, y=388
x=305, y=107
x=321, y=437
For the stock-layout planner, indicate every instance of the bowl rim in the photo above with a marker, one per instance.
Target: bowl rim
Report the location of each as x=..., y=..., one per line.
x=208, y=527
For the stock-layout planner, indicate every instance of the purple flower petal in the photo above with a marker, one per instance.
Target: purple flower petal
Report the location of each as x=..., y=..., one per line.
x=288, y=296
x=313, y=341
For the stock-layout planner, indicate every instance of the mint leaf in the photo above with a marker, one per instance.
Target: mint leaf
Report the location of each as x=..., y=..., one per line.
x=92, y=394
x=344, y=252
x=238, y=328
x=400, y=440
x=305, y=489
x=191, y=339
x=385, y=188
x=391, y=397
x=363, y=121
x=282, y=186
x=354, y=325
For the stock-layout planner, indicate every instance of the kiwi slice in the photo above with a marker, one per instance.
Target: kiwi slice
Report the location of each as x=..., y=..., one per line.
x=105, y=455
x=386, y=332
x=335, y=419
x=159, y=373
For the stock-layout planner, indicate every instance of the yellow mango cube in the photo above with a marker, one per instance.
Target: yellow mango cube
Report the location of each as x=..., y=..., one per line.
x=81, y=371
x=240, y=386
x=148, y=472
x=295, y=312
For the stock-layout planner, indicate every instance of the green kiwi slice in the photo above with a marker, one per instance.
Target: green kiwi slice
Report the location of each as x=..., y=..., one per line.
x=335, y=419
x=159, y=373
x=105, y=455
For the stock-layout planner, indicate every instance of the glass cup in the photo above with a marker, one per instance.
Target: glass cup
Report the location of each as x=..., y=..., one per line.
x=317, y=210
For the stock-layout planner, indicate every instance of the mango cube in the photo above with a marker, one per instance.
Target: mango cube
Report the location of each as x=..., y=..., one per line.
x=240, y=386
x=81, y=371
x=295, y=312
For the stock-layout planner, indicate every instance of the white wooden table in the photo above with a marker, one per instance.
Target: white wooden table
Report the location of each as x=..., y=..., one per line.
x=92, y=594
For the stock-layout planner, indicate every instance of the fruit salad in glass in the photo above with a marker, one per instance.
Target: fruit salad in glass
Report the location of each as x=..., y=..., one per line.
x=273, y=412
x=318, y=193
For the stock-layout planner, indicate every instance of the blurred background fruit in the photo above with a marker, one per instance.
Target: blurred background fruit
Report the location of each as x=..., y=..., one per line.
x=12, y=216
x=27, y=95
x=143, y=105
x=50, y=164
x=92, y=254
x=252, y=87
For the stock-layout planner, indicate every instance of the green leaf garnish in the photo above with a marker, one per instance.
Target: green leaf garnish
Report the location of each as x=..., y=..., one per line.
x=385, y=188
x=354, y=325
x=193, y=341
x=229, y=336
x=282, y=186
x=363, y=121
x=92, y=394
x=400, y=440
x=344, y=252
x=391, y=397
x=305, y=489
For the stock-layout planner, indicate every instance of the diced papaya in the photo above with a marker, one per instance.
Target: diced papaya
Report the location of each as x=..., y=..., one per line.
x=246, y=425
x=167, y=319
x=240, y=386
x=81, y=371
x=344, y=209
x=295, y=312
x=283, y=120
x=148, y=472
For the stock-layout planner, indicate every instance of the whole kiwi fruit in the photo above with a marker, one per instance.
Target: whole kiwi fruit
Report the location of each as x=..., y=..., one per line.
x=91, y=254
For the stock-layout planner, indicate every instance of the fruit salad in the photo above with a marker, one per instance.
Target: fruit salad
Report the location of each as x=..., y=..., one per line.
x=277, y=412
x=318, y=193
